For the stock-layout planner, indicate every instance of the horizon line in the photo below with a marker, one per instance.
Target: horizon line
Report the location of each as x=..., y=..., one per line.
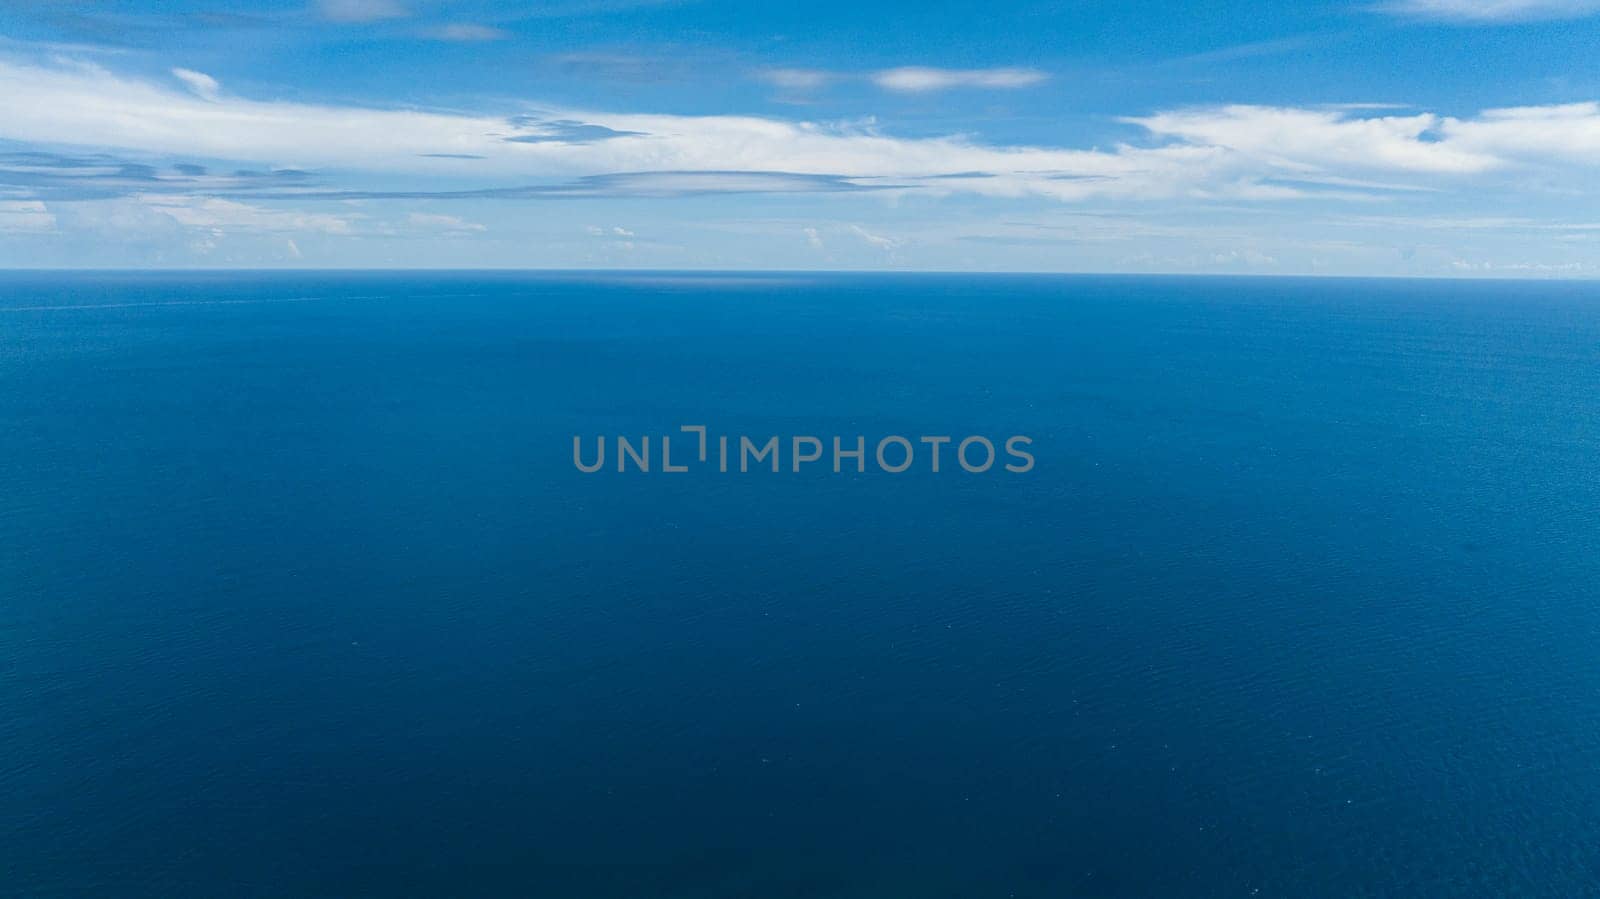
x=1264, y=276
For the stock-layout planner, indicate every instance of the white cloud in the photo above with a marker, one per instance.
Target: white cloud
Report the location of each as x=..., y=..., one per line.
x=920, y=79
x=202, y=85
x=1320, y=139
x=441, y=222
x=85, y=105
x=25, y=216
x=1570, y=132
x=887, y=244
x=89, y=106
x=467, y=32
x=1247, y=257
x=1494, y=10
x=813, y=239
x=907, y=79
x=358, y=11
x=1249, y=152
x=227, y=215
x=125, y=220
x=796, y=79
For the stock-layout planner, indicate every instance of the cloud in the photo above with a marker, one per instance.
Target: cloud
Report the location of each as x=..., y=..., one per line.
x=229, y=215
x=439, y=222
x=1570, y=132
x=692, y=183
x=60, y=176
x=919, y=79
x=813, y=239
x=563, y=131
x=887, y=244
x=467, y=32
x=653, y=154
x=25, y=216
x=1251, y=50
x=361, y=11
x=199, y=83
x=1306, y=139
x=164, y=229
x=1244, y=152
x=796, y=79
x=682, y=64
x=126, y=220
x=908, y=79
x=617, y=184
x=617, y=238
x=1491, y=11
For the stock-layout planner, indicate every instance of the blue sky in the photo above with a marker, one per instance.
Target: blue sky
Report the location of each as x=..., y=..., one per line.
x=1410, y=137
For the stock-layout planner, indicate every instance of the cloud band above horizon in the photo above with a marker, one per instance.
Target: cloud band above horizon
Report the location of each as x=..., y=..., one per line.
x=1238, y=151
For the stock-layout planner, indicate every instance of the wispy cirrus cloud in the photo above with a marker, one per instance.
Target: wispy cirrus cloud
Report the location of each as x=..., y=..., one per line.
x=631, y=184
x=466, y=32
x=450, y=224
x=215, y=212
x=797, y=79
x=907, y=79
x=1492, y=11
x=921, y=79
x=361, y=11
x=199, y=83
x=876, y=241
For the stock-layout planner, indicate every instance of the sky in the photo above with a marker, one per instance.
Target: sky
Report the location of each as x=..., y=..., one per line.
x=1428, y=138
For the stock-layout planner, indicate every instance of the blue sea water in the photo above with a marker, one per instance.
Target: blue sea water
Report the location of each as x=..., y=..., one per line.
x=302, y=595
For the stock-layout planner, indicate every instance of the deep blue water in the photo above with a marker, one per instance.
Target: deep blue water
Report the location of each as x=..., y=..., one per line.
x=302, y=595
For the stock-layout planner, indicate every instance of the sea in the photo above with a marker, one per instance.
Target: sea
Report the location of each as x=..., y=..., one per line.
x=303, y=594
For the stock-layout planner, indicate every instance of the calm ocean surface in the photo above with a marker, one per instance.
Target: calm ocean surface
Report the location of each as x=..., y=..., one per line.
x=302, y=595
